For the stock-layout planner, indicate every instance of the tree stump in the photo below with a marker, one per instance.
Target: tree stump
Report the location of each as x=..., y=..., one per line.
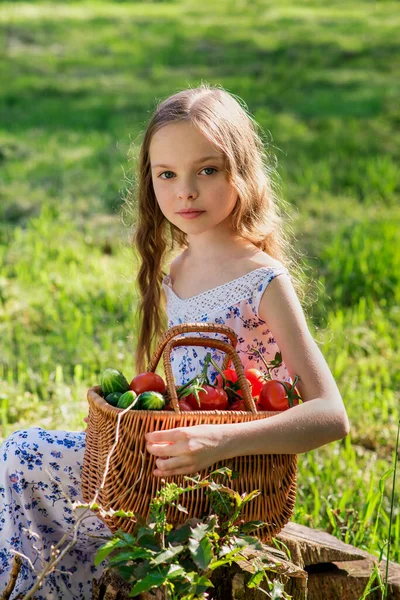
x=320, y=567
x=336, y=571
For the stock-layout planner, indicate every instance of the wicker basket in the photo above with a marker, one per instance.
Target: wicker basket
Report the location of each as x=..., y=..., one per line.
x=273, y=474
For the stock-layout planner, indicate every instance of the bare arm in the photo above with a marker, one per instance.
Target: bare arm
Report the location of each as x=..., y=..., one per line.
x=322, y=417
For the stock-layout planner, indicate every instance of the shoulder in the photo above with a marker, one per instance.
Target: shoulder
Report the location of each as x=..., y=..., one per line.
x=258, y=260
x=280, y=304
x=250, y=264
x=266, y=261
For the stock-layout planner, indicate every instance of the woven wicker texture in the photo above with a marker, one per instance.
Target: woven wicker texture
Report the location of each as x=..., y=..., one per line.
x=130, y=483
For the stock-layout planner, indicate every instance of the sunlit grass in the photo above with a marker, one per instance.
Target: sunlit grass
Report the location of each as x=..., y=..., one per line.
x=79, y=83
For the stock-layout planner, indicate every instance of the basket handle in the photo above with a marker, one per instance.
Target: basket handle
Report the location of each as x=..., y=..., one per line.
x=232, y=355
x=191, y=327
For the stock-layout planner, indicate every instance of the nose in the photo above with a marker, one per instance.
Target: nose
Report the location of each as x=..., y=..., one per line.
x=187, y=191
x=187, y=195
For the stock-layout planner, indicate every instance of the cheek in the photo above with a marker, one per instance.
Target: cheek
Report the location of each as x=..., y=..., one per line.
x=165, y=201
x=229, y=194
x=160, y=193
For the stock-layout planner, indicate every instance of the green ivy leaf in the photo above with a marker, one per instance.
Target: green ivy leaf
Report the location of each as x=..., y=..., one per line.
x=144, y=531
x=124, y=513
x=255, y=579
x=195, y=478
x=181, y=534
x=128, y=538
x=175, y=571
x=248, y=497
x=188, y=564
x=251, y=526
x=131, y=554
x=152, y=579
x=225, y=549
x=222, y=471
x=247, y=540
x=200, y=584
x=147, y=540
x=140, y=570
x=201, y=553
x=106, y=549
x=213, y=486
x=168, y=554
x=228, y=558
x=201, y=530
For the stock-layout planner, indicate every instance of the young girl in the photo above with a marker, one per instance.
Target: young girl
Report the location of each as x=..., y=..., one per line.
x=204, y=177
x=204, y=189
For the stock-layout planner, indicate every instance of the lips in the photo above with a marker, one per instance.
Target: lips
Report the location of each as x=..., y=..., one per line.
x=192, y=214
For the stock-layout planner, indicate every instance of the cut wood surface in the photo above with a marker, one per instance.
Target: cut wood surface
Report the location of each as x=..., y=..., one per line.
x=336, y=571
x=312, y=546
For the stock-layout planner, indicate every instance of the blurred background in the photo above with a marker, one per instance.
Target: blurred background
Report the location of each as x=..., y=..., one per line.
x=78, y=83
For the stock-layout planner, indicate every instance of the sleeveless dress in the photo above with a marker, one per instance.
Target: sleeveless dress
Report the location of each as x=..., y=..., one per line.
x=34, y=513
x=234, y=304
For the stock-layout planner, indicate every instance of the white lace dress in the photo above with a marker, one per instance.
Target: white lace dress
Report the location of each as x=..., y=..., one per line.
x=234, y=304
x=34, y=513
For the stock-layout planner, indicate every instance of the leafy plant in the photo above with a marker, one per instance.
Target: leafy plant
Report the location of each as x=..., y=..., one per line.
x=183, y=559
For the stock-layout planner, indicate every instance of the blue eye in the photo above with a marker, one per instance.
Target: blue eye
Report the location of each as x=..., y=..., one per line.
x=205, y=168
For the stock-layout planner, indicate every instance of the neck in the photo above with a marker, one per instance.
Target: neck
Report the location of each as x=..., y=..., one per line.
x=205, y=247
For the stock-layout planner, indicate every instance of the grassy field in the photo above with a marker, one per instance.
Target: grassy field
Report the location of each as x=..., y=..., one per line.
x=78, y=82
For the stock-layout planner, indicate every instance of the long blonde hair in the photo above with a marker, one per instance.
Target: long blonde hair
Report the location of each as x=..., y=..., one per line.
x=258, y=217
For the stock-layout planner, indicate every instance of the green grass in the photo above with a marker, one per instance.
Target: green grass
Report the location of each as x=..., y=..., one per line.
x=78, y=83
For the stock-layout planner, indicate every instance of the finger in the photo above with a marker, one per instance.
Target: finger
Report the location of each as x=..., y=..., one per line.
x=167, y=450
x=171, y=463
x=188, y=470
x=168, y=435
x=163, y=449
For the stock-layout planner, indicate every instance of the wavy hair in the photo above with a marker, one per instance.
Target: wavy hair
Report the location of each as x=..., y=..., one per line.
x=258, y=216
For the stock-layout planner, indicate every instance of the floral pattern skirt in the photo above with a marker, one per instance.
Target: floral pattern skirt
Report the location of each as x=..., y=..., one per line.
x=35, y=513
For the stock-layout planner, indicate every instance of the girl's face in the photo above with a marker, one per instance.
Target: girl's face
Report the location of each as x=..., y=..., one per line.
x=188, y=172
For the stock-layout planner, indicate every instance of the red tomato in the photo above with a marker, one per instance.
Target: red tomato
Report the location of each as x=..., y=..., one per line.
x=239, y=391
x=184, y=406
x=148, y=382
x=273, y=397
x=211, y=398
x=230, y=375
x=238, y=405
x=255, y=378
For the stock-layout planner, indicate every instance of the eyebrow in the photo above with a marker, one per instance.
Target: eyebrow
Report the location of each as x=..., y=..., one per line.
x=200, y=160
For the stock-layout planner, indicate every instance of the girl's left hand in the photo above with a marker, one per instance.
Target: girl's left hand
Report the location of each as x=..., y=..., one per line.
x=185, y=450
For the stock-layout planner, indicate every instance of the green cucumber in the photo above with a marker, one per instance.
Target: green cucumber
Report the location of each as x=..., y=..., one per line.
x=128, y=399
x=113, y=380
x=113, y=398
x=150, y=401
